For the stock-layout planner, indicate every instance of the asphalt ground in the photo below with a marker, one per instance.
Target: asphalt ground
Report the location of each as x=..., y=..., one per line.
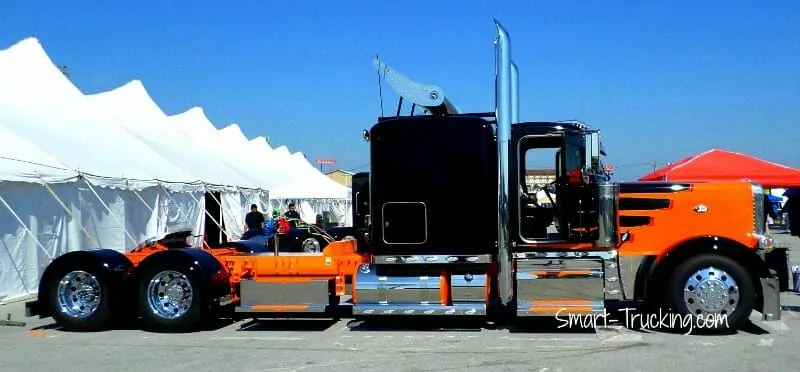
x=311, y=345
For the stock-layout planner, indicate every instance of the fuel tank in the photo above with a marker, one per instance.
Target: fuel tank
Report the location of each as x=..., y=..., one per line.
x=433, y=186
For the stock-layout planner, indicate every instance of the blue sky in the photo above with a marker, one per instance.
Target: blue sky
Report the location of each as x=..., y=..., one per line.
x=662, y=81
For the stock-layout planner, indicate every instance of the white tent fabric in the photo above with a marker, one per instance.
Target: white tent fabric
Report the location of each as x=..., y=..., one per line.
x=73, y=178
x=145, y=120
x=110, y=170
x=39, y=103
x=194, y=124
x=297, y=181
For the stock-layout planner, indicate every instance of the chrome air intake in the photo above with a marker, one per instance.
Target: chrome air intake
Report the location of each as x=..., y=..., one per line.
x=504, y=111
x=759, y=218
x=607, y=207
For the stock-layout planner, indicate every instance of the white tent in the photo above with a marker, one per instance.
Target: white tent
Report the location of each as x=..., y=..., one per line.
x=111, y=169
x=195, y=125
x=145, y=120
x=298, y=181
x=73, y=177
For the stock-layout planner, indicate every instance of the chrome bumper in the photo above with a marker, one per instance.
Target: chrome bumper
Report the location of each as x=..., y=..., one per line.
x=770, y=287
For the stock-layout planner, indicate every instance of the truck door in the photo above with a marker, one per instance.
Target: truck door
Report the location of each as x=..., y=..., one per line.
x=577, y=217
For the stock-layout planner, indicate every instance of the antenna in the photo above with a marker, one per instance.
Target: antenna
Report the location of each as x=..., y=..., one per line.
x=380, y=85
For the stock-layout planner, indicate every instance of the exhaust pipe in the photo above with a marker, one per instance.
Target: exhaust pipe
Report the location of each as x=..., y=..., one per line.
x=514, y=93
x=503, y=110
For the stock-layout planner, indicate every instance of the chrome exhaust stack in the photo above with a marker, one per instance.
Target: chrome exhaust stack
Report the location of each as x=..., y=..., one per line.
x=514, y=93
x=504, y=111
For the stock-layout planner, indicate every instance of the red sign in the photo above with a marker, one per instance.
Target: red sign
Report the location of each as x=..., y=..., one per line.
x=608, y=167
x=326, y=161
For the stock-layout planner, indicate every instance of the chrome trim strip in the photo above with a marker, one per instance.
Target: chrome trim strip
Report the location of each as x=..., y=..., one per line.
x=431, y=259
x=759, y=218
x=605, y=255
x=411, y=309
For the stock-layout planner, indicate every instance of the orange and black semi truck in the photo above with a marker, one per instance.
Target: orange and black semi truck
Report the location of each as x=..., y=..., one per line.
x=455, y=230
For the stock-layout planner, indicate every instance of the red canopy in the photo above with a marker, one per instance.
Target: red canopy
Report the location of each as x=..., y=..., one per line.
x=727, y=165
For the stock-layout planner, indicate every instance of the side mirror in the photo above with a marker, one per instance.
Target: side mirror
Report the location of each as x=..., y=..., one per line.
x=592, y=151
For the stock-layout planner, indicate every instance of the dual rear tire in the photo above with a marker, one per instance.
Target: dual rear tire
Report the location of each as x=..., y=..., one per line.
x=170, y=298
x=79, y=298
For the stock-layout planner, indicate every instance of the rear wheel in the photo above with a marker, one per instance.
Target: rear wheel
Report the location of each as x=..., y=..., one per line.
x=79, y=299
x=715, y=291
x=170, y=298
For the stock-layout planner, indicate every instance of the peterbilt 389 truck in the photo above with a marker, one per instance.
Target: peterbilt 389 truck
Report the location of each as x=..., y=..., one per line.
x=444, y=244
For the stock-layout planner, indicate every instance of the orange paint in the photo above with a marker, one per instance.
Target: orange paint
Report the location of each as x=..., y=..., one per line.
x=445, y=294
x=338, y=261
x=564, y=306
x=729, y=215
x=279, y=308
x=561, y=274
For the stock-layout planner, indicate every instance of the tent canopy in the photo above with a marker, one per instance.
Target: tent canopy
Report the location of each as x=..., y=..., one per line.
x=723, y=165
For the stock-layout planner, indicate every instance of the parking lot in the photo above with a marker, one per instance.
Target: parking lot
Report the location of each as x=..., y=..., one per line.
x=309, y=345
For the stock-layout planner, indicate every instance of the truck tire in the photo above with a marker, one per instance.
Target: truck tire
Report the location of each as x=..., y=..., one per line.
x=715, y=290
x=313, y=244
x=171, y=298
x=79, y=298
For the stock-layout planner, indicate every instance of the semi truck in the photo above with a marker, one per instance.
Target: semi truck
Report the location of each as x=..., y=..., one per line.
x=452, y=231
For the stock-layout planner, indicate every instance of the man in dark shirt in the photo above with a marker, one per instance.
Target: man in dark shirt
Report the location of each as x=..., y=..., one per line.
x=292, y=212
x=792, y=208
x=253, y=223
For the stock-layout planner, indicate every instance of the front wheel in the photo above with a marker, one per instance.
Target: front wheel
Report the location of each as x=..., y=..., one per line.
x=170, y=298
x=715, y=291
x=80, y=299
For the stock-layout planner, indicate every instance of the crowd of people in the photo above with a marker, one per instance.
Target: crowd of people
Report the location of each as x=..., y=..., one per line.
x=255, y=222
x=788, y=213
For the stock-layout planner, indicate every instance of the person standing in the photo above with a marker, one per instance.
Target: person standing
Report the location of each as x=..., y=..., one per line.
x=292, y=213
x=792, y=209
x=253, y=223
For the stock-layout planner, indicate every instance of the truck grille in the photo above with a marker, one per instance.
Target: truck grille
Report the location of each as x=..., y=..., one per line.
x=759, y=219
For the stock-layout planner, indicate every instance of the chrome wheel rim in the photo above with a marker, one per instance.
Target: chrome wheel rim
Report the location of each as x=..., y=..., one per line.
x=169, y=294
x=79, y=294
x=711, y=291
x=311, y=245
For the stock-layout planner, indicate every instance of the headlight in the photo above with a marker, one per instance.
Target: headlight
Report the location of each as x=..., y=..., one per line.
x=759, y=219
x=766, y=243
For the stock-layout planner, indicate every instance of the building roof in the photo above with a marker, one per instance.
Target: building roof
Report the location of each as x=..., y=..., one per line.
x=540, y=172
x=340, y=171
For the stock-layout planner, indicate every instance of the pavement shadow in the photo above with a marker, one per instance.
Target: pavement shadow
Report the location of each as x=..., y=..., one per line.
x=416, y=324
x=300, y=325
x=556, y=325
x=136, y=325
